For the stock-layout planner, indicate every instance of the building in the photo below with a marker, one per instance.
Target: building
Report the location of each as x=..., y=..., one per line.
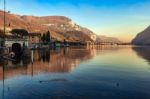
x=34, y=38
x=31, y=39
x=22, y=41
x=93, y=37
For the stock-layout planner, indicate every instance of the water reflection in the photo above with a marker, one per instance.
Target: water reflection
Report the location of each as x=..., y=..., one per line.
x=45, y=61
x=143, y=52
x=107, y=72
x=62, y=60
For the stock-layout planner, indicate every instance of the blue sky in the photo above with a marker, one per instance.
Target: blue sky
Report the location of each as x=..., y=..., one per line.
x=117, y=18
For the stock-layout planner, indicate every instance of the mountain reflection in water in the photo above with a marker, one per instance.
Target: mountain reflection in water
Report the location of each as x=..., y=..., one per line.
x=143, y=52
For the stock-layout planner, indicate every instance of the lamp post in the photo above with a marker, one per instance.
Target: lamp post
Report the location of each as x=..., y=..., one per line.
x=3, y=95
x=4, y=16
x=3, y=40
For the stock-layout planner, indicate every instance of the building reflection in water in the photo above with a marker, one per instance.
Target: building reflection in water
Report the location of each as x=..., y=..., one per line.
x=46, y=61
x=62, y=60
x=51, y=61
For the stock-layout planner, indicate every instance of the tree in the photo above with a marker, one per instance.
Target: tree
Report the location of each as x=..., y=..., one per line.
x=65, y=42
x=48, y=37
x=20, y=32
x=43, y=38
x=2, y=35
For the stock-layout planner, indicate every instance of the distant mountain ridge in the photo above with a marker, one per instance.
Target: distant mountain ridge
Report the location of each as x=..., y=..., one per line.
x=143, y=38
x=104, y=39
x=60, y=27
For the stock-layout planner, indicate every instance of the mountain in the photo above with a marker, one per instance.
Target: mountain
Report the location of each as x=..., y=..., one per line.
x=60, y=27
x=104, y=39
x=142, y=38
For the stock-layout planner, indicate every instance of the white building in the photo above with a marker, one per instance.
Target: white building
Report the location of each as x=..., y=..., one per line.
x=93, y=37
x=10, y=41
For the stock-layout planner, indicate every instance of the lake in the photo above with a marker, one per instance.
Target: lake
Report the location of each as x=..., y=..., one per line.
x=98, y=72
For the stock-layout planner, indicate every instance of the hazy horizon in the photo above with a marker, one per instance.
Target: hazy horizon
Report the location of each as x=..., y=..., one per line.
x=114, y=18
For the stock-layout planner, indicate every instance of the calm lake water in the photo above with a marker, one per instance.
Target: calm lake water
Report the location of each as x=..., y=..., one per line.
x=106, y=72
